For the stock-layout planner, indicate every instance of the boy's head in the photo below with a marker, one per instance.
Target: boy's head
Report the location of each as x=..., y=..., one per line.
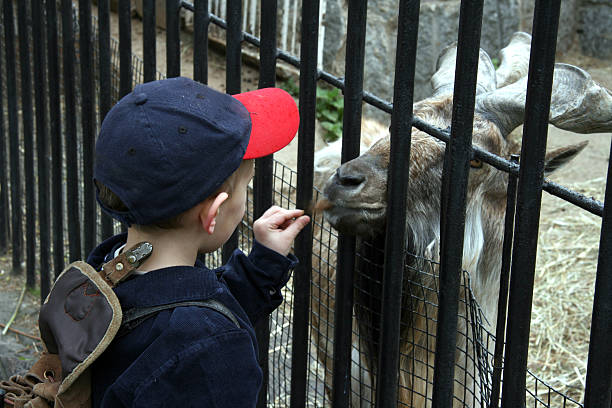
x=171, y=144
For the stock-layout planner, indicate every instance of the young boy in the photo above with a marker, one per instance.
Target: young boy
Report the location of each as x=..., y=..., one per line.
x=173, y=161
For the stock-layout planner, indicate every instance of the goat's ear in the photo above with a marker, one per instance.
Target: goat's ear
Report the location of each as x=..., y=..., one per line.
x=557, y=158
x=577, y=103
x=443, y=80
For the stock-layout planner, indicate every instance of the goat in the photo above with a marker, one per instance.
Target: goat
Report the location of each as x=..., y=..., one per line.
x=356, y=201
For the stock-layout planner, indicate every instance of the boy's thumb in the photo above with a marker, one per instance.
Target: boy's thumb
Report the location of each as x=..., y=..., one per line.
x=297, y=225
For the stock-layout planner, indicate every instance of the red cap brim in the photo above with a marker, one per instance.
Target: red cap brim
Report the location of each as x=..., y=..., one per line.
x=274, y=118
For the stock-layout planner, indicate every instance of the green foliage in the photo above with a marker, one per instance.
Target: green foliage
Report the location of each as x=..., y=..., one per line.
x=291, y=86
x=330, y=108
x=330, y=112
x=496, y=62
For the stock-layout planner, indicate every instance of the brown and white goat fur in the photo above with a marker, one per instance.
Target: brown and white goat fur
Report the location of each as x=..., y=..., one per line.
x=357, y=196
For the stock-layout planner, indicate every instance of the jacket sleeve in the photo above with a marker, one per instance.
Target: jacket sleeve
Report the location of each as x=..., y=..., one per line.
x=256, y=280
x=217, y=372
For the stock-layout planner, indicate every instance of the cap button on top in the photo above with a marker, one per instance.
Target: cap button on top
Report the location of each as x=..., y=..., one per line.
x=140, y=98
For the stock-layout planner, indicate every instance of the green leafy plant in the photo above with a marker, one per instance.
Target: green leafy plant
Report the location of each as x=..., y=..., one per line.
x=329, y=111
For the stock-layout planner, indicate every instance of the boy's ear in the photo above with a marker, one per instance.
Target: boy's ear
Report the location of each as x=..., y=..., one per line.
x=208, y=214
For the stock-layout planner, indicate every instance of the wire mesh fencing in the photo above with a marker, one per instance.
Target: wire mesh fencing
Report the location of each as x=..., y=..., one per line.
x=475, y=343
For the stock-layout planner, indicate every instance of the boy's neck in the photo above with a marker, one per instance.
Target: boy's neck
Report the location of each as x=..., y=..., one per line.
x=170, y=248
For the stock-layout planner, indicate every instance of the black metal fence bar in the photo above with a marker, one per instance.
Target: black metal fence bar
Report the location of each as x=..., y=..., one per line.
x=104, y=80
x=233, y=80
x=500, y=331
x=4, y=173
x=42, y=143
x=88, y=124
x=28, y=139
x=233, y=57
x=397, y=187
x=539, y=86
x=173, y=40
x=200, y=41
x=456, y=165
x=303, y=242
x=263, y=182
x=70, y=134
x=599, y=369
x=149, y=40
x=13, y=135
x=353, y=94
x=55, y=131
x=125, y=47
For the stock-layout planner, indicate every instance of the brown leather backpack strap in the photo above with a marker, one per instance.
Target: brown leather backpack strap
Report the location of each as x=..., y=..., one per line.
x=121, y=266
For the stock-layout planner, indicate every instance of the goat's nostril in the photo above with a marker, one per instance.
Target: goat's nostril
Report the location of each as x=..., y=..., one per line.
x=348, y=179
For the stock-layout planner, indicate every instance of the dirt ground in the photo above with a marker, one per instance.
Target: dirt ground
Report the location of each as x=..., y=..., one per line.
x=21, y=340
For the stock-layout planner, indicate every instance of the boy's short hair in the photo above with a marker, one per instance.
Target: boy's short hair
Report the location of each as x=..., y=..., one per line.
x=170, y=144
x=113, y=202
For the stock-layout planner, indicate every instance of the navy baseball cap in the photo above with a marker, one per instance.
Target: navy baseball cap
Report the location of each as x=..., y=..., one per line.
x=170, y=144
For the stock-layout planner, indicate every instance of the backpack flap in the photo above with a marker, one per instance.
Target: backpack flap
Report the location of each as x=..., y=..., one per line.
x=79, y=319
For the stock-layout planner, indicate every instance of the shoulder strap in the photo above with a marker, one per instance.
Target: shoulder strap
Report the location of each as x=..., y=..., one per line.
x=134, y=317
x=116, y=270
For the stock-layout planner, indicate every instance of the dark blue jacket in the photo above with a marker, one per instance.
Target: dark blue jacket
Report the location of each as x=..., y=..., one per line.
x=190, y=356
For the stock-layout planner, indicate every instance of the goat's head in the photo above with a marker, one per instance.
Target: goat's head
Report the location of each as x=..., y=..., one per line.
x=357, y=192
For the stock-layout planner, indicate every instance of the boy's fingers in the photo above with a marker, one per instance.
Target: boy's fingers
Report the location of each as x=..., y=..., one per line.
x=282, y=217
x=270, y=211
x=296, y=226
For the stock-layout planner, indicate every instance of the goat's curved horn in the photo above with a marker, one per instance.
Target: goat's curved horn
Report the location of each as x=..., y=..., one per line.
x=514, y=59
x=442, y=81
x=577, y=103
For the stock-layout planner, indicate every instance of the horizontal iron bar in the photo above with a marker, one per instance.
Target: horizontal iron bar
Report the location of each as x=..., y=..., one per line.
x=591, y=205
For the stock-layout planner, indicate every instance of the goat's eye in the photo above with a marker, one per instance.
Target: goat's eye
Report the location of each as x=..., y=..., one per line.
x=475, y=163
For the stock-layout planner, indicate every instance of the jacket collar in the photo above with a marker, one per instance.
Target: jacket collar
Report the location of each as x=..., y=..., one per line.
x=161, y=286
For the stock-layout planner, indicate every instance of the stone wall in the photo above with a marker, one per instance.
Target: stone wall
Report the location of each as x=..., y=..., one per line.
x=587, y=21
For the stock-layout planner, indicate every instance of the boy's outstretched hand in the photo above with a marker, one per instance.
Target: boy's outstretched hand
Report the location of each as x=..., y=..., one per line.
x=278, y=227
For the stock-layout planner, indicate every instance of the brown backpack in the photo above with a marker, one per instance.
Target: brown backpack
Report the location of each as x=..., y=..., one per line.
x=77, y=322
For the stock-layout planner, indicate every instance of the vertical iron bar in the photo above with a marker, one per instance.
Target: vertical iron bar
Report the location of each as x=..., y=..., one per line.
x=397, y=185
x=263, y=188
x=104, y=68
x=88, y=124
x=4, y=174
x=598, y=391
x=28, y=140
x=539, y=87
x=234, y=51
x=303, y=242
x=173, y=41
x=149, y=40
x=459, y=152
x=42, y=146
x=125, y=48
x=200, y=41
x=233, y=80
x=72, y=172
x=500, y=332
x=13, y=126
x=55, y=139
x=353, y=95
